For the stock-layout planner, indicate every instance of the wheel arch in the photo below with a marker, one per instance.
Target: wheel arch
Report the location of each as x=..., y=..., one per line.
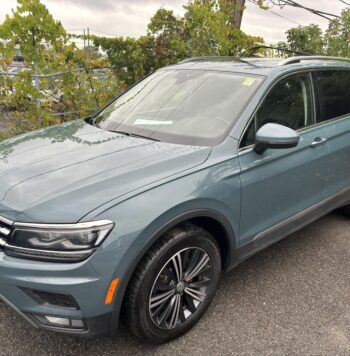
x=210, y=220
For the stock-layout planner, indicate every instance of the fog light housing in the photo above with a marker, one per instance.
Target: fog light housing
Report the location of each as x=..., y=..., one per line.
x=60, y=322
x=51, y=299
x=53, y=320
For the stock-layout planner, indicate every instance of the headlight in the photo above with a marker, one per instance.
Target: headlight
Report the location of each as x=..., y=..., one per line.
x=62, y=243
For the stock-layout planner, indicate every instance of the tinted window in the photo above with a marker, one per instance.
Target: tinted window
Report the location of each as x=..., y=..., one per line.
x=289, y=103
x=334, y=88
x=181, y=106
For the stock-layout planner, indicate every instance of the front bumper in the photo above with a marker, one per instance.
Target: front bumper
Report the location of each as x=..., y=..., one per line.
x=86, y=282
x=95, y=326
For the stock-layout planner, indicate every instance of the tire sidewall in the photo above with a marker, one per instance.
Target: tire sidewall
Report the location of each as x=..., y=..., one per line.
x=181, y=241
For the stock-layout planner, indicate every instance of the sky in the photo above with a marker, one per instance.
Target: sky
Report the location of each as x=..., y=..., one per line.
x=130, y=17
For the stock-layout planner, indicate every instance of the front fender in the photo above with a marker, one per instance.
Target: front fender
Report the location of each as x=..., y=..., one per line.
x=212, y=192
x=133, y=256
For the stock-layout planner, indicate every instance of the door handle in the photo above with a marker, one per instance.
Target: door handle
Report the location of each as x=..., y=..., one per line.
x=318, y=141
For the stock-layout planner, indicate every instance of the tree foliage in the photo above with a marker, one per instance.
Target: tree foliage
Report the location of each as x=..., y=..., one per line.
x=335, y=41
x=166, y=38
x=308, y=39
x=33, y=28
x=337, y=37
x=30, y=101
x=205, y=29
x=211, y=32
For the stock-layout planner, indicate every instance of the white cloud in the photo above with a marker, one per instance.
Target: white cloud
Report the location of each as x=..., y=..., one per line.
x=118, y=18
x=130, y=17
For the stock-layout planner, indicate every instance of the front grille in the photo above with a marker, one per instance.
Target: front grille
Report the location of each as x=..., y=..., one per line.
x=4, y=230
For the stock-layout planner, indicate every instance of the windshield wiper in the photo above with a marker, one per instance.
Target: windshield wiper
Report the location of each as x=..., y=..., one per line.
x=134, y=135
x=91, y=120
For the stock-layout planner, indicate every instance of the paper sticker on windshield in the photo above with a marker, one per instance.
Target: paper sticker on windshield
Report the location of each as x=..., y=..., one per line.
x=248, y=81
x=152, y=122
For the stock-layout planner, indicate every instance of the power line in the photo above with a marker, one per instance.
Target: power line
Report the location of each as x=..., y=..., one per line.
x=75, y=29
x=279, y=15
x=284, y=17
x=104, y=33
x=91, y=30
x=344, y=2
x=283, y=3
x=323, y=14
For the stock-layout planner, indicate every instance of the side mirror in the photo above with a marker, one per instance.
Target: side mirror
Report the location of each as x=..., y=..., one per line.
x=275, y=136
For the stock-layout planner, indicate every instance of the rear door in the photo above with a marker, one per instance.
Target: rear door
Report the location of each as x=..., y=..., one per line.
x=281, y=183
x=334, y=98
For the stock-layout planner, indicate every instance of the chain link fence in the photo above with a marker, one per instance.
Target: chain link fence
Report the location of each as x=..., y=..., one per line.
x=28, y=101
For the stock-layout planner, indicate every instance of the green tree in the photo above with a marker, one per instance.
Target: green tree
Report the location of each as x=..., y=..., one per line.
x=33, y=29
x=205, y=29
x=166, y=33
x=210, y=30
x=126, y=55
x=337, y=36
x=44, y=44
x=308, y=39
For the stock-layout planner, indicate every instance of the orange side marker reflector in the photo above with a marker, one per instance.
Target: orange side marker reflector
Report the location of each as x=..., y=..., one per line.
x=111, y=291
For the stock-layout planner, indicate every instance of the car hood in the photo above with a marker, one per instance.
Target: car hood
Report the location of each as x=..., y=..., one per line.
x=60, y=174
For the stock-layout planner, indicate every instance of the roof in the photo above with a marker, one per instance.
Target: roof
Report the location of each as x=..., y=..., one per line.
x=261, y=66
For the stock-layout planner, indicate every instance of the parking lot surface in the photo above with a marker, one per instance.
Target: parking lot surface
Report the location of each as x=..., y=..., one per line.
x=291, y=299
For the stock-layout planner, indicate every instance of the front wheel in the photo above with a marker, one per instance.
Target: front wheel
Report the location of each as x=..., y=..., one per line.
x=173, y=285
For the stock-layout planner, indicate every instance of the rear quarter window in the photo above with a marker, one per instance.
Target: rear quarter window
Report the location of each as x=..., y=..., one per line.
x=334, y=91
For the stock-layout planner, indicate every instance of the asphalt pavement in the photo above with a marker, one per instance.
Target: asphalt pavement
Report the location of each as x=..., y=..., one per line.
x=291, y=299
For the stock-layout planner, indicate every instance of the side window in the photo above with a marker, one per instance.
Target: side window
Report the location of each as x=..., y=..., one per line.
x=289, y=103
x=334, y=90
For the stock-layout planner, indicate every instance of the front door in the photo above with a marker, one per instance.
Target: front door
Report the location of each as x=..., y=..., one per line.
x=281, y=183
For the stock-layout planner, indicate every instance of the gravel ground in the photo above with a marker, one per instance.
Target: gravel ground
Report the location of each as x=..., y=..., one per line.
x=291, y=299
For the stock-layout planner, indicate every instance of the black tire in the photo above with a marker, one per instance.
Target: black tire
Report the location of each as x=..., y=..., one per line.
x=188, y=247
x=345, y=210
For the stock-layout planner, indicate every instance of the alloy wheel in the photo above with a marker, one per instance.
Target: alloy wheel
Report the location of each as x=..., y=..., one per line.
x=180, y=287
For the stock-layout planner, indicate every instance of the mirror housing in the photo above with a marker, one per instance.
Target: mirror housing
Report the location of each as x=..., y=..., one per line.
x=275, y=136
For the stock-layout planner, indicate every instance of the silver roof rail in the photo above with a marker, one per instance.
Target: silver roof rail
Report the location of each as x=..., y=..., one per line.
x=217, y=58
x=295, y=60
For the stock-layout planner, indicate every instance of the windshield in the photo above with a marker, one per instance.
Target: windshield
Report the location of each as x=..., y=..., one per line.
x=194, y=107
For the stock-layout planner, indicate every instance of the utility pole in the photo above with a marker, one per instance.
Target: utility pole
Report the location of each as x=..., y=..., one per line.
x=238, y=13
x=88, y=41
x=36, y=77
